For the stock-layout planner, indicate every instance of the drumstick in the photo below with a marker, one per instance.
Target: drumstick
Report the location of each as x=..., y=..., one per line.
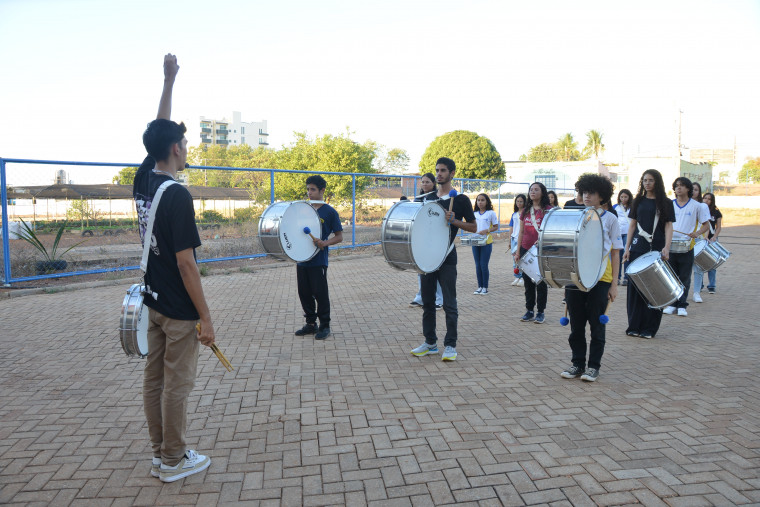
x=218, y=353
x=564, y=320
x=604, y=318
x=452, y=194
x=306, y=230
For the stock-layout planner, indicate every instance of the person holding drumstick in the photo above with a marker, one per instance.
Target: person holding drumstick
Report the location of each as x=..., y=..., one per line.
x=172, y=274
x=589, y=306
x=530, y=224
x=427, y=183
x=650, y=229
x=312, y=274
x=459, y=215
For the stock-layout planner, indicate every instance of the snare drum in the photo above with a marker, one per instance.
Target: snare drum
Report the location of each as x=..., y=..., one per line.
x=133, y=324
x=474, y=240
x=415, y=236
x=655, y=280
x=707, y=256
x=720, y=248
x=528, y=263
x=571, y=248
x=680, y=245
x=281, y=230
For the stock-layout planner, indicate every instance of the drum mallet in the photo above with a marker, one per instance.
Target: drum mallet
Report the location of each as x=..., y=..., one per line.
x=564, y=320
x=452, y=194
x=604, y=318
x=306, y=230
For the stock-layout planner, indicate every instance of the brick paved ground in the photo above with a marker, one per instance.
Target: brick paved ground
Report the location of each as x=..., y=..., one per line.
x=357, y=420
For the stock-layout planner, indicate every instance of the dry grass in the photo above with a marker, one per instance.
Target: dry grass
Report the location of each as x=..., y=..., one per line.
x=736, y=217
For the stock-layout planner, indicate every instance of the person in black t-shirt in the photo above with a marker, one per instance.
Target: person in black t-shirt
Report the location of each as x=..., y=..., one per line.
x=174, y=293
x=651, y=202
x=446, y=275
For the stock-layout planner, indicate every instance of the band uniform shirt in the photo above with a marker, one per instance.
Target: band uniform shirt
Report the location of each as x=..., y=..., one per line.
x=530, y=233
x=329, y=223
x=515, y=224
x=622, y=216
x=644, y=214
x=611, y=240
x=714, y=222
x=485, y=220
x=174, y=230
x=689, y=218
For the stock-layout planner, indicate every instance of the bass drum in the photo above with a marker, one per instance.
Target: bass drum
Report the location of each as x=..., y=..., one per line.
x=571, y=248
x=281, y=230
x=655, y=280
x=133, y=324
x=415, y=236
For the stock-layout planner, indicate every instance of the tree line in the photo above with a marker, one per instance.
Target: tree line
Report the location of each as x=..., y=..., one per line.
x=565, y=149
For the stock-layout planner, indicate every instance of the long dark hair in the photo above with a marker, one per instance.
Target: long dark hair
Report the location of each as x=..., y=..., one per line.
x=661, y=200
x=699, y=196
x=431, y=178
x=712, y=206
x=544, y=198
x=524, y=198
x=630, y=198
x=488, y=203
x=556, y=199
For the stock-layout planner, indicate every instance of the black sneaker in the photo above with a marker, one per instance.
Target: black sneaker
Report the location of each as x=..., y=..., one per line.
x=539, y=318
x=527, y=317
x=648, y=336
x=590, y=375
x=415, y=304
x=307, y=329
x=572, y=372
x=711, y=291
x=322, y=333
x=632, y=333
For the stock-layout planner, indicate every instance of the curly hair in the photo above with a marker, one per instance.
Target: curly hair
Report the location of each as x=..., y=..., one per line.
x=595, y=183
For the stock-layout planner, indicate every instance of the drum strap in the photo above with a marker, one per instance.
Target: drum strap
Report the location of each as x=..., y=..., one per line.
x=645, y=234
x=533, y=218
x=149, y=230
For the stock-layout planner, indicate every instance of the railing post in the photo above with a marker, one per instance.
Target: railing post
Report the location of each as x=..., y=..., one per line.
x=271, y=187
x=353, y=210
x=6, y=236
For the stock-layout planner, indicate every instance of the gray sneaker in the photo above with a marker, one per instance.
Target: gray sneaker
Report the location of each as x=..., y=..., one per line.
x=425, y=349
x=590, y=375
x=449, y=354
x=572, y=372
x=190, y=464
x=155, y=467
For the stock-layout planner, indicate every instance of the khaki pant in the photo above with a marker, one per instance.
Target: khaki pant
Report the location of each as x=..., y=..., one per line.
x=169, y=378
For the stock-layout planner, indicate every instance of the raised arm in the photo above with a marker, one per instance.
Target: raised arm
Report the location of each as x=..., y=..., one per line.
x=170, y=72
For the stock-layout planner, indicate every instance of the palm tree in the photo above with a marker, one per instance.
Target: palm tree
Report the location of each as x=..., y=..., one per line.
x=567, y=148
x=594, y=144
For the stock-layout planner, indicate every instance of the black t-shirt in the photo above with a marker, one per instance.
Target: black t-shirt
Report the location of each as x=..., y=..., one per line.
x=174, y=230
x=644, y=214
x=714, y=216
x=462, y=209
x=572, y=203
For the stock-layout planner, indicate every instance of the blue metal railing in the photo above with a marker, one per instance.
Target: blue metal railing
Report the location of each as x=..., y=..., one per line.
x=9, y=279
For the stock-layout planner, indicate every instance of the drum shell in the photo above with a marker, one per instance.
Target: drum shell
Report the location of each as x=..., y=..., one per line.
x=655, y=280
x=474, y=240
x=570, y=248
x=530, y=266
x=288, y=241
x=133, y=323
x=680, y=245
x=720, y=248
x=707, y=256
x=408, y=226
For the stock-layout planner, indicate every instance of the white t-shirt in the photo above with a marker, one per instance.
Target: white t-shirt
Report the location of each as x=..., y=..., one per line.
x=706, y=211
x=485, y=220
x=688, y=218
x=611, y=239
x=515, y=224
x=622, y=217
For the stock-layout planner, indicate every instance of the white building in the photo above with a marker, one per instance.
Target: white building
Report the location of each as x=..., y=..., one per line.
x=235, y=132
x=557, y=176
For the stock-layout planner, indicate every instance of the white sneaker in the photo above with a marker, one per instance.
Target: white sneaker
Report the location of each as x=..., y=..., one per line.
x=424, y=350
x=155, y=467
x=515, y=281
x=480, y=289
x=190, y=464
x=682, y=312
x=697, y=297
x=449, y=354
x=669, y=310
x=484, y=291
x=520, y=282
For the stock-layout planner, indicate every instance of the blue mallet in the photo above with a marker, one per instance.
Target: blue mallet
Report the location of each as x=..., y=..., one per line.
x=604, y=318
x=452, y=194
x=564, y=320
x=306, y=230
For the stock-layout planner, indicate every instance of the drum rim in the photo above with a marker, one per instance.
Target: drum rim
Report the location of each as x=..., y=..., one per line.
x=413, y=263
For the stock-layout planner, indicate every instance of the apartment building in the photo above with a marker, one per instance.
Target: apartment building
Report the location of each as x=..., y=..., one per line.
x=235, y=132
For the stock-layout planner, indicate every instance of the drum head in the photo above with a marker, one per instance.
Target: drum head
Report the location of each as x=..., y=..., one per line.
x=642, y=262
x=142, y=331
x=590, y=249
x=429, y=237
x=699, y=245
x=295, y=243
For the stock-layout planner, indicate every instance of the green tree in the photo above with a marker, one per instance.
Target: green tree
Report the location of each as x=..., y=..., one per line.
x=233, y=156
x=750, y=172
x=594, y=146
x=81, y=210
x=475, y=156
x=544, y=152
x=394, y=161
x=125, y=177
x=567, y=148
x=324, y=154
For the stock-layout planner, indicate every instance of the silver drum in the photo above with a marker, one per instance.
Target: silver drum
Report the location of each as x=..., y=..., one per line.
x=708, y=256
x=474, y=240
x=281, y=230
x=570, y=248
x=680, y=245
x=655, y=280
x=133, y=324
x=415, y=236
x=720, y=248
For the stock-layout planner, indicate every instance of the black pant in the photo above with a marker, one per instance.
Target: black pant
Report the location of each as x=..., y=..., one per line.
x=682, y=264
x=641, y=318
x=531, y=290
x=587, y=307
x=313, y=293
x=446, y=275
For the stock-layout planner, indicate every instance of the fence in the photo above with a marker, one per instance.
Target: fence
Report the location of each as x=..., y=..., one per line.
x=227, y=218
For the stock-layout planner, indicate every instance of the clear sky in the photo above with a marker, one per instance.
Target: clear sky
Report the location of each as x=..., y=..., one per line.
x=81, y=78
